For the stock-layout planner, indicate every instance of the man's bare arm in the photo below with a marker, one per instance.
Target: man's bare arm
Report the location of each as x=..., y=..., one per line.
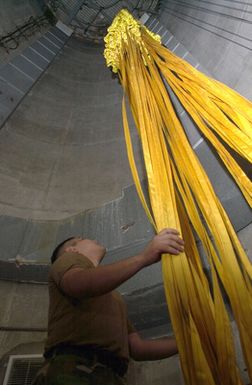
x=150, y=350
x=81, y=283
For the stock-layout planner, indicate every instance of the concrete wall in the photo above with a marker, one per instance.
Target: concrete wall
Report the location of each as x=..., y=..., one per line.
x=14, y=14
x=63, y=149
x=22, y=306
x=218, y=34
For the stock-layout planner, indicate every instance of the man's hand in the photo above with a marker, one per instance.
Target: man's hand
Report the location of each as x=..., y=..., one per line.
x=167, y=241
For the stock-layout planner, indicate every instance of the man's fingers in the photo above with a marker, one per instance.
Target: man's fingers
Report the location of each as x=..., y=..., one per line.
x=169, y=241
x=168, y=231
x=172, y=237
x=175, y=245
x=173, y=251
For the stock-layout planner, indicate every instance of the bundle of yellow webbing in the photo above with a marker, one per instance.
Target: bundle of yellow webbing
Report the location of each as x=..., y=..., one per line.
x=182, y=197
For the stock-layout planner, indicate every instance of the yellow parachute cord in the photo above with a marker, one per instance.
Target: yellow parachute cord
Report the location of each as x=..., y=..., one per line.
x=181, y=196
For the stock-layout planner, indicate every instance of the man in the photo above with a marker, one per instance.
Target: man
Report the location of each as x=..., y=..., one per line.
x=90, y=338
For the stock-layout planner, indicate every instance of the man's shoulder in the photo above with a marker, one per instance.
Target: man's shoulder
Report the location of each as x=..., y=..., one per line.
x=71, y=258
x=67, y=261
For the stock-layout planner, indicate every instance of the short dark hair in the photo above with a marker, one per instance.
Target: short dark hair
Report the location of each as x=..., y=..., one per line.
x=57, y=249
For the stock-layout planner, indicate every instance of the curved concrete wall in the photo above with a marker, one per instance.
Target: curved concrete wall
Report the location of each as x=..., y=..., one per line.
x=14, y=14
x=63, y=150
x=218, y=34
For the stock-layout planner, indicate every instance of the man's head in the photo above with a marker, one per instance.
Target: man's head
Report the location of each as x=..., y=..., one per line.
x=90, y=248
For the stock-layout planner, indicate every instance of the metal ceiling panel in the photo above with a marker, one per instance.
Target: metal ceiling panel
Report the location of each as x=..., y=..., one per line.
x=86, y=15
x=90, y=18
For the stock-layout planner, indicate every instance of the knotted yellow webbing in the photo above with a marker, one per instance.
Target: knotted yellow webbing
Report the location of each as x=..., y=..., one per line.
x=182, y=197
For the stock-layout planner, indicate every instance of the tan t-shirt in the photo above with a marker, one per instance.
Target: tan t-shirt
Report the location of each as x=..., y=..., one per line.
x=100, y=321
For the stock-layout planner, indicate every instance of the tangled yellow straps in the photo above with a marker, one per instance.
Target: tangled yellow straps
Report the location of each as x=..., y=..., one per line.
x=123, y=25
x=181, y=196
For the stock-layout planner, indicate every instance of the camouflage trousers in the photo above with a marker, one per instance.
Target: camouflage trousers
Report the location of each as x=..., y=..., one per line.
x=68, y=369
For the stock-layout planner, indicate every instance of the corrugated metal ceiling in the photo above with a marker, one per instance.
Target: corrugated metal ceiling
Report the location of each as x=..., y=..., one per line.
x=90, y=18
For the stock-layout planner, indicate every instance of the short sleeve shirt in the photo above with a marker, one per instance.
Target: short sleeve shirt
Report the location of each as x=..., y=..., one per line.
x=101, y=321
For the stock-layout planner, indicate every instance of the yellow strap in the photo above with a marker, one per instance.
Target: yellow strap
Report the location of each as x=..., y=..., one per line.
x=181, y=196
